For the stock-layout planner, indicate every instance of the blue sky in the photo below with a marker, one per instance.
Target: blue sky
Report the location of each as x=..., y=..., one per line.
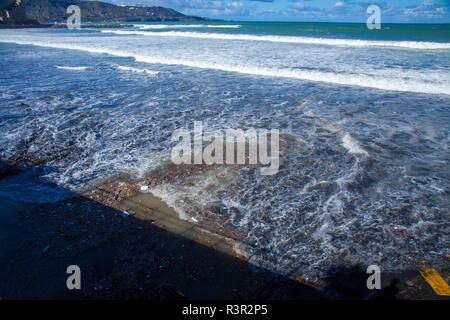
x=403, y=11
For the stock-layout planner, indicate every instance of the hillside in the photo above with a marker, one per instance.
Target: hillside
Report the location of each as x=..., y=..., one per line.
x=12, y=13
x=27, y=12
x=49, y=11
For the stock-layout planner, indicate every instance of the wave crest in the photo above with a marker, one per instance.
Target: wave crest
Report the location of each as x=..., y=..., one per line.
x=288, y=39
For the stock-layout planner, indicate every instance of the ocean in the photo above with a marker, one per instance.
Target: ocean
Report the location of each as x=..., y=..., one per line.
x=364, y=115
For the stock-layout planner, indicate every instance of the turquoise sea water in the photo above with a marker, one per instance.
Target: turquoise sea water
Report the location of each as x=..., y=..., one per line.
x=406, y=32
x=364, y=114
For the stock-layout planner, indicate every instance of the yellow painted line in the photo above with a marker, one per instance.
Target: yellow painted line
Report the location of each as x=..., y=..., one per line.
x=435, y=280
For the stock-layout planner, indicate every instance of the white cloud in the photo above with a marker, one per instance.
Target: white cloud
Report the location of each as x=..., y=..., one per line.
x=339, y=4
x=427, y=8
x=304, y=10
x=299, y=5
x=208, y=8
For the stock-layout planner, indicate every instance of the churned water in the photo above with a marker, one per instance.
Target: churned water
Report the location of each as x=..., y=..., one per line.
x=364, y=178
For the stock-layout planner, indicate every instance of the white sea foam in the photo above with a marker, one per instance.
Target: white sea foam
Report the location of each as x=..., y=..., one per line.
x=353, y=147
x=395, y=84
x=239, y=249
x=288, y=39
x=201, y=192
x=166, y=194
x=170, y=26
x=320, y=210
x=377, y=82
x=72, y=68
x=137, y=70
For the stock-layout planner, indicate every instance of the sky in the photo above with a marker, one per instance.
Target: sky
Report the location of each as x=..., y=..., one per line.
x=392, y=11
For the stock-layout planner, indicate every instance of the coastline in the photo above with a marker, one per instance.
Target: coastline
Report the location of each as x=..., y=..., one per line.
x=63, y=26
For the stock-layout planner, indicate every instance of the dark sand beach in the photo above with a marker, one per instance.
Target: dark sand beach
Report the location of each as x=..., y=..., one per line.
x=137, y=257
x=120, y=258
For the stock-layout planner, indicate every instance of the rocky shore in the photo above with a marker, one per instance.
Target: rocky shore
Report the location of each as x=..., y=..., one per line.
x=12, y=14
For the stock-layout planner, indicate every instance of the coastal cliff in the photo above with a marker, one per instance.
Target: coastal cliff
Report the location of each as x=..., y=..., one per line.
x=51, y=11
x=12, y=13
x=29, y=13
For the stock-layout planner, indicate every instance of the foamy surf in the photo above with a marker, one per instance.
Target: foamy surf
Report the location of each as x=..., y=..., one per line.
x=352, y=146
x=72, y=68
x=137, y=70
x=173, y=26
x=324, y=205
x=311, y=75
x=289, y=39
x=165, y=193
x=361, y=80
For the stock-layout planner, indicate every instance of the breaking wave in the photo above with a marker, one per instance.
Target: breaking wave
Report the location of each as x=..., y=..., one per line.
x=137, y=70
x=170, y=26
x=73, y=68
x=369, y=81
x=290, y=39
